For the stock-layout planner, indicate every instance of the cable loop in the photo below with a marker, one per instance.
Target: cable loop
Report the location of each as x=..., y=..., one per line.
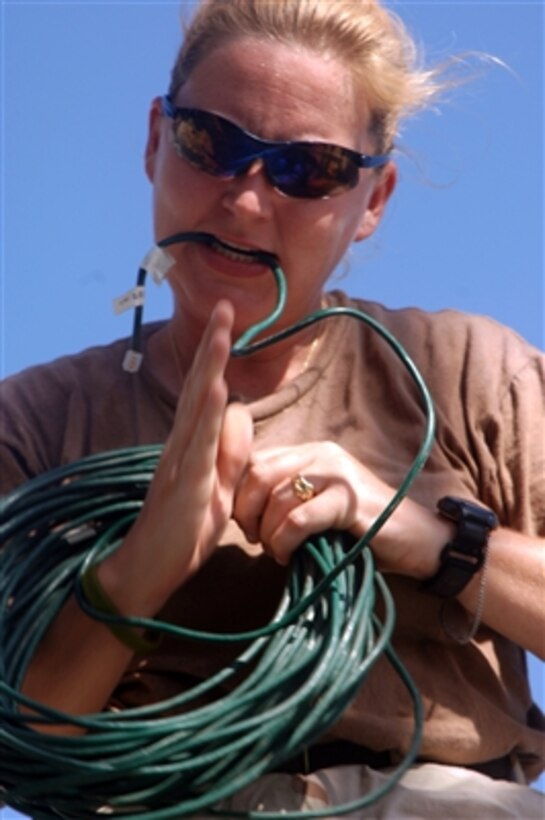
x=283, y=691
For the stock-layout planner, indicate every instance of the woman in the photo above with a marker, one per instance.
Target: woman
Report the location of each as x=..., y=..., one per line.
x=313, y=433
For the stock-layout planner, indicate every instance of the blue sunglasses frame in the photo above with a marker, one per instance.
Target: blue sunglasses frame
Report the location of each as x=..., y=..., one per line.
x=302, y=169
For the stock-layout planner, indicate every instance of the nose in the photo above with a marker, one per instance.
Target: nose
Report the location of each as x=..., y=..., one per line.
x=250, y=194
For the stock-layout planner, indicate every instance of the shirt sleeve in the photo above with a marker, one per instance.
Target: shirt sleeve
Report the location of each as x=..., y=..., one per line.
x=515, y=437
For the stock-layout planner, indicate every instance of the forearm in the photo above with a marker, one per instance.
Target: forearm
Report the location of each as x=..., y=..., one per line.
x=514, y=589
x=80, y=660
x=514, y=585
x=77, y=665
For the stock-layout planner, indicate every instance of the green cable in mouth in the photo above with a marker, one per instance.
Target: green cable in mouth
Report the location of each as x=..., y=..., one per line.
x=158, y=262
x=212, y=241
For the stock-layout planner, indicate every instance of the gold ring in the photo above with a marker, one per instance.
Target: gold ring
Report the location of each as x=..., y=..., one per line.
x=303, y=488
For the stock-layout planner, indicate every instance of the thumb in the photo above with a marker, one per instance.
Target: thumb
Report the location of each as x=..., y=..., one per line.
x=235, y=444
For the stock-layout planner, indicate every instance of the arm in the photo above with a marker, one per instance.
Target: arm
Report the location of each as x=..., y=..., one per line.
x=349, y=496
x=515, y=584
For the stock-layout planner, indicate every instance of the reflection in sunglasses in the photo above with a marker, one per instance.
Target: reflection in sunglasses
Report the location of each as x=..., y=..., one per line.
x=215, y=145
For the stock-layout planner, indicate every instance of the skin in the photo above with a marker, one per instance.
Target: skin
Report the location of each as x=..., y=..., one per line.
x=209, y=471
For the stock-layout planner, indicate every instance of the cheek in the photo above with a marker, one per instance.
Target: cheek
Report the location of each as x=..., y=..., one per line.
x=180, y=194
x=313, y=245
x=333, y=232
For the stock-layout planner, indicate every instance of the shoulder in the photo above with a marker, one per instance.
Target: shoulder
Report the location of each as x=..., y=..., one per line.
x=449, y=344
x=89, y=372
x=487, y=385
x=60, y=411
x=62, y=375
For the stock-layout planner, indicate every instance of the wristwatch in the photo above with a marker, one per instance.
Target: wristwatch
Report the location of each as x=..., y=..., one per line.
x=462, y=557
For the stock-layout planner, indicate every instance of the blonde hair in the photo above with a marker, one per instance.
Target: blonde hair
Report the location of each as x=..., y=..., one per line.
x=371, y=41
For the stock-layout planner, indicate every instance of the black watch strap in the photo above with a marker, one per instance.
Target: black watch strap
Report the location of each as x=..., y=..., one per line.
x=462, y=557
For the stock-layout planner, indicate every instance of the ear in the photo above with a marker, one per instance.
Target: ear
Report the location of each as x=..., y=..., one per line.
x=384, y=186
x=154, y=138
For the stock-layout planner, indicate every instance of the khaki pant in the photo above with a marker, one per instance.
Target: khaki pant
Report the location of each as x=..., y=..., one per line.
x=427, y=790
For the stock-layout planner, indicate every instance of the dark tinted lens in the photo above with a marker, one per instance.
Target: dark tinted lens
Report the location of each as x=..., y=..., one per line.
x=210, y=142
x=300, y=169
x=312, y=170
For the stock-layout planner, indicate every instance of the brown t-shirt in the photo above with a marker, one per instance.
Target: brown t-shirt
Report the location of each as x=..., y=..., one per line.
x=488, y=387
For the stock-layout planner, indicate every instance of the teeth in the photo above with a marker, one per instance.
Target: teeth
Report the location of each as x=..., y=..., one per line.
x=236, y=254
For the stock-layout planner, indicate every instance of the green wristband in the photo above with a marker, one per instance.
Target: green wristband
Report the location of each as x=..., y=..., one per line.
x=97, y=597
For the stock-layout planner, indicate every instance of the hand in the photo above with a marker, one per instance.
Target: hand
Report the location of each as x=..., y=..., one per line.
x=187, y=506
x=191, y=496
x=348, y=497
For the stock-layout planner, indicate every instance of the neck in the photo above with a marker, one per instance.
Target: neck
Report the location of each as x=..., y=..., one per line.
x=248, y=377
x=260, y=374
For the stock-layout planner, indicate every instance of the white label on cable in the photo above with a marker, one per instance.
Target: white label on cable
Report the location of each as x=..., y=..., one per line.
x=132, y=361
x=81, y=533
x=157, y=262
x=132, y=299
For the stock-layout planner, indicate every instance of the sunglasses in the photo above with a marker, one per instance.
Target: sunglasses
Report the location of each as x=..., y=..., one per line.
x=308, y=170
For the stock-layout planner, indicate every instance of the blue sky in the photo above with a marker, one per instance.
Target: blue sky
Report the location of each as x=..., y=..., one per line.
x=465, y=229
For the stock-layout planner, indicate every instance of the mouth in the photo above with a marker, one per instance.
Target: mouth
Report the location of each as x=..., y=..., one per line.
x=237, y=253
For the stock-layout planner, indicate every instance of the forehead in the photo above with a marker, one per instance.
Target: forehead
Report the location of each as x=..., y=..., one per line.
x=279, y=91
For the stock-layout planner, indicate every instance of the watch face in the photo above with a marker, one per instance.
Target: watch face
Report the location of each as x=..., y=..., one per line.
x=488, y=517
x=457, y=508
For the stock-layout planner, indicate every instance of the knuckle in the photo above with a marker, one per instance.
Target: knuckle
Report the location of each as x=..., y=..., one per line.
x=257, y=476
x=296, y=522
x=331, y=449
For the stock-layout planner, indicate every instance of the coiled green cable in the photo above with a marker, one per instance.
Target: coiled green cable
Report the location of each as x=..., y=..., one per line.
x=290, y=682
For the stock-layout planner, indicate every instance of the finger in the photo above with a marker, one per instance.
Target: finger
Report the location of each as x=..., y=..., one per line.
x=206, y=373
x=200, y=456
x=283, y=511
x=219, y=325
x=183, y=510
x=213, y=350
x=333, y=508
x=268, y=473
x=235, y=445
